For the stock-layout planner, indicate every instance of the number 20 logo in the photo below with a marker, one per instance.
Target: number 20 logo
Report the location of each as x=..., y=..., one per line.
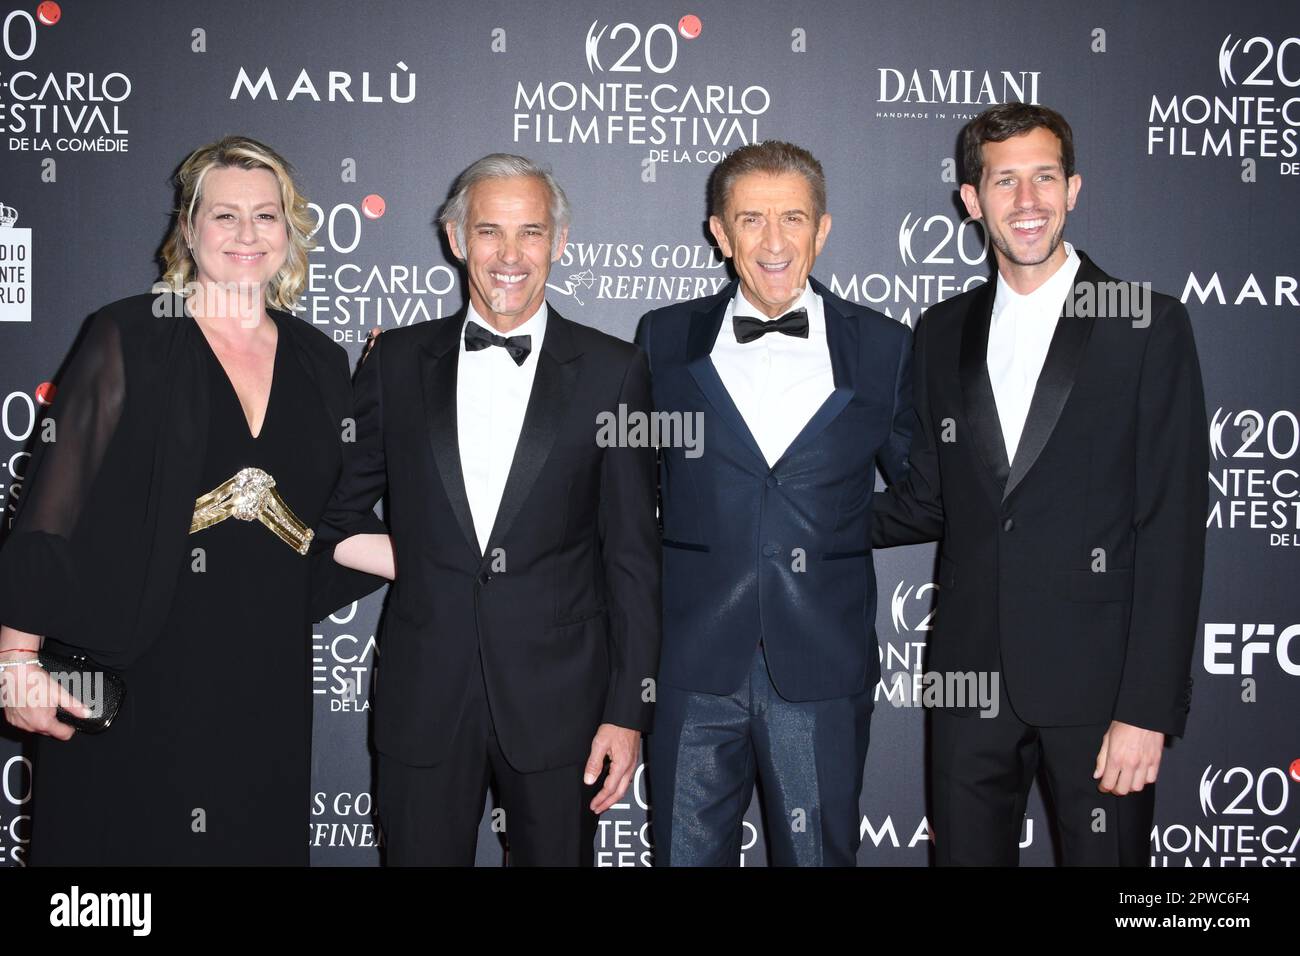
x=596, y=33
x=9, y=35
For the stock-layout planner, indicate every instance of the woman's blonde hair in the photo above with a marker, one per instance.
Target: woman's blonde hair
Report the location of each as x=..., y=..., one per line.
x=241, y=152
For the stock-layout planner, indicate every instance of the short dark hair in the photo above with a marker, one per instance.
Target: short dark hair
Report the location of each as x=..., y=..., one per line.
x=1001, y=122
x=774, y=158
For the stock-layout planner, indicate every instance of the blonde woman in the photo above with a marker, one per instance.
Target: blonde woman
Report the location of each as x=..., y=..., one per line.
x=165, y=537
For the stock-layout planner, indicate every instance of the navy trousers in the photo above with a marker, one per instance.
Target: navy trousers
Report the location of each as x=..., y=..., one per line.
x=808, y=757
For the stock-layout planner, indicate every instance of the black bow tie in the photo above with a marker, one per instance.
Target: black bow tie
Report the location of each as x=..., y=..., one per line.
x=748, y=328
x=477, y=337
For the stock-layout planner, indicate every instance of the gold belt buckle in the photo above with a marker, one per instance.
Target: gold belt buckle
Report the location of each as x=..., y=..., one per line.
x=251, y=495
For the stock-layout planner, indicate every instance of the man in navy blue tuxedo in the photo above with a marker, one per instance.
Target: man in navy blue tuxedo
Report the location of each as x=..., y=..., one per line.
x=769, y=653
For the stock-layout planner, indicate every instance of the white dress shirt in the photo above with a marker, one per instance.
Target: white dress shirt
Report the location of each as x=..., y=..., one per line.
x=777, y=381
x=1020, y=333
x=491, y=399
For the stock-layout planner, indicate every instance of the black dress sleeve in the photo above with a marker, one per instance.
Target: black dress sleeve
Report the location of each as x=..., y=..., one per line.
x=39, y=572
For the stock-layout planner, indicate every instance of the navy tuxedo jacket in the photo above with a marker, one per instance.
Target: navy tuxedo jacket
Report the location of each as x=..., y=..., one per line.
x=780, y=554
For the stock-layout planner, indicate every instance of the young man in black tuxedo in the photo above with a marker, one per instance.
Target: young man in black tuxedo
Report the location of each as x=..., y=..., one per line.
x=1060, y=455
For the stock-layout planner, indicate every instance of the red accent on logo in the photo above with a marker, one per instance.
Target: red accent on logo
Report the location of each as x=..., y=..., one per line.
x=45, y=393
x=373, y=206
x=48, y=13
x=1295, y=770
x=689, y=26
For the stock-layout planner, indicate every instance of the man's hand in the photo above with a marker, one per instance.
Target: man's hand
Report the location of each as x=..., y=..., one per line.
x=620, y=745
x=1129, y=758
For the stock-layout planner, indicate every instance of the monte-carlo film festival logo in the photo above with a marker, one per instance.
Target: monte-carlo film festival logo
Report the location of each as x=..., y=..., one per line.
x=1243, y=821
x=1254, y=121
x=1254, y=485
x=66, y=111
x=355, y=282
x=941, y=255
x=630, y=97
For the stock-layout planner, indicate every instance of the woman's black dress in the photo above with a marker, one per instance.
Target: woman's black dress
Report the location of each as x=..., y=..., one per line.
x=209, y=760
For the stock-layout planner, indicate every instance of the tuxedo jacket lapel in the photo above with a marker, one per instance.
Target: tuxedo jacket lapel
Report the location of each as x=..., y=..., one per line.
x=842, y=341
x=977, y=387
x=1055, y=381
x=704, y=330
x=553, y=386
x=441, y=359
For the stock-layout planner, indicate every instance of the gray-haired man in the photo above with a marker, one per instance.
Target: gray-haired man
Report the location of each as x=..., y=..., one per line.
x=524, y=625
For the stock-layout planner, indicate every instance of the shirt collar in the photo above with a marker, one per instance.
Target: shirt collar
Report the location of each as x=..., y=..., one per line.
x=1049, y=296
x=740, y=305
x=535, y=326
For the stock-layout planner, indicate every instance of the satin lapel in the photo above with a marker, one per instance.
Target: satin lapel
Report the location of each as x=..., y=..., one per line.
x=977, y=387
x=842, y=339
x=703, y=333
x=553, y=386
x=1054, y=384
x=439, y=360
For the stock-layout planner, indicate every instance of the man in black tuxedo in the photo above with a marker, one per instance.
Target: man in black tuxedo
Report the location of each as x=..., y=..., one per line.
x=1060, y=455
x=770, y=654
x=521, y=637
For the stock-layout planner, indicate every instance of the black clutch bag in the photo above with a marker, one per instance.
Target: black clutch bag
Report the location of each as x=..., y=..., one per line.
x=96, y=686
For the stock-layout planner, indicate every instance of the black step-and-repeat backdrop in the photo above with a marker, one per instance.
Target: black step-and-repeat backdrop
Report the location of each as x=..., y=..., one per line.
x=1187, y=124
